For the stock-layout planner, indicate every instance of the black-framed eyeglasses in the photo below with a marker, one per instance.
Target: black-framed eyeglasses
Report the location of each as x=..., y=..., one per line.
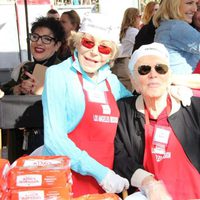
x=34, y=37
x=160, y=69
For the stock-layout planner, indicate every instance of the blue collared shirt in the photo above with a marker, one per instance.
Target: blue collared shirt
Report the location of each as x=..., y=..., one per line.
x=183, y=44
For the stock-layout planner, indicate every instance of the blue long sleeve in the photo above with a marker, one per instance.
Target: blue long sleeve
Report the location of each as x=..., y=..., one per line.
x=63, y=107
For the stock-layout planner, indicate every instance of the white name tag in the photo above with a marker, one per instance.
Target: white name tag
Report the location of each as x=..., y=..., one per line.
x=96, y=96
x=161, y=136
x=158, y=150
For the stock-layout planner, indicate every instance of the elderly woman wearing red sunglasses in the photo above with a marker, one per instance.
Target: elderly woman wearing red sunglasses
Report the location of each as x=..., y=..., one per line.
x=80, y=110
x=157, y=137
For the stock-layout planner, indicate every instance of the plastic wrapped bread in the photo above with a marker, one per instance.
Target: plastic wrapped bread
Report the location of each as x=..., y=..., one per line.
x=58, y=193
x=40, y=172
x=4, y=168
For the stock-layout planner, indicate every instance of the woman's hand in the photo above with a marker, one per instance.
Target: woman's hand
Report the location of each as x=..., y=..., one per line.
x=27, y=86
x=155, y=190
x=181, y=93
x=113, y=183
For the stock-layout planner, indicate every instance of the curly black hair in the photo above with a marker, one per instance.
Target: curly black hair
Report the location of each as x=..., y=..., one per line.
x=54, y=25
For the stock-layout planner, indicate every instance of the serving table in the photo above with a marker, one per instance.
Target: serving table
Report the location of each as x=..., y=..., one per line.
x=20, y=111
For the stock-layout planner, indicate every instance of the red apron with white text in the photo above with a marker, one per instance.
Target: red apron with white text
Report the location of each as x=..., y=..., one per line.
x=95, y=134
x=180, y=177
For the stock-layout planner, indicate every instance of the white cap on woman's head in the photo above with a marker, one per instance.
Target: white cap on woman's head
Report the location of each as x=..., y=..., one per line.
x=99, y=25
x=153, y=49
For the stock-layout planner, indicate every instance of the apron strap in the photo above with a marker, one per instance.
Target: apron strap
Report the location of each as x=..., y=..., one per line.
x=81, y=77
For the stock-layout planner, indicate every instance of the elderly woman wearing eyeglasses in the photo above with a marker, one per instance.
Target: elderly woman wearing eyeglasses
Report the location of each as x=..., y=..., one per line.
x=80, y=110
x=157, y=142
x=45, y=38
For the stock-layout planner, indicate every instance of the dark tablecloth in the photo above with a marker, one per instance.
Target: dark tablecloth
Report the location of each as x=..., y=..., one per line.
x=21, y=111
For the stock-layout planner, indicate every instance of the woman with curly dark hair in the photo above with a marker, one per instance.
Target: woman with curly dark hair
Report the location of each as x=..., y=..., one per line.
x=46, y=37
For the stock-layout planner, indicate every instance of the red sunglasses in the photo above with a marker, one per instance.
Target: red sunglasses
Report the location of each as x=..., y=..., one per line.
x=90, y=44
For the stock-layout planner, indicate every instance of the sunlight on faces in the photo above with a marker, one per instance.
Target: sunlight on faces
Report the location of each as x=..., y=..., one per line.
x=156, y=7
x=153, y=84
x=41, y=51
x=90, y=58
x=188, y=8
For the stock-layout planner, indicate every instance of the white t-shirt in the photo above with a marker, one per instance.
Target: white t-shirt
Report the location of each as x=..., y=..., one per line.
x=128, y=42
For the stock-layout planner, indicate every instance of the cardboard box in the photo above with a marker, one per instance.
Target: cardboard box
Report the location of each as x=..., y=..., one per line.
x=40, y=172
x=42, y=194
x=4, y=168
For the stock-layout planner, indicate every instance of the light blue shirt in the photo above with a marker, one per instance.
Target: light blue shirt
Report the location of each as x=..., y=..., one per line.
x=183, y=44
x=63, y=107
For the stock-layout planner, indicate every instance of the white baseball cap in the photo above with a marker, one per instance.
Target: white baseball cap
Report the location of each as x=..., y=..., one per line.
x=154, y=48
x=100, y=25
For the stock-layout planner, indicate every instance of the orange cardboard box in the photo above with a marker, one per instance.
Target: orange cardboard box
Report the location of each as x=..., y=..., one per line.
x=41, y=194
x=4, y=168
x=4, y=195
x=40, y=172
x=42, y=162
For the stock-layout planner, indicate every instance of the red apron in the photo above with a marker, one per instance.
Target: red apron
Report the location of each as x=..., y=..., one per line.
x=197, y=69
x=95, y=134
x=172, y=166
x=196, y=92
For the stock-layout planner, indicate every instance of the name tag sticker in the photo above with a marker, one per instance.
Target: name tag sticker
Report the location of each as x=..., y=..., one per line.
x=161, y=135
x=96, y=96
x=106, y=109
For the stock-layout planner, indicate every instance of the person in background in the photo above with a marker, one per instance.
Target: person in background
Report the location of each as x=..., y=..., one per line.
x=76, y=2
x=45, y=39
x=149, y=10
x=146, y=33
x=80, y=110
x=71, y=22
x=196, y=25
x=157, y=142
x=53, y=13
x=172, y=18
x=196, y=18
x=129, y=30
x=86, y=2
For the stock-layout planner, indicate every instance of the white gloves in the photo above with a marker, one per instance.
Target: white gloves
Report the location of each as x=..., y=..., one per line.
x=182, y=93
x=114, y=183
x=156, y=190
